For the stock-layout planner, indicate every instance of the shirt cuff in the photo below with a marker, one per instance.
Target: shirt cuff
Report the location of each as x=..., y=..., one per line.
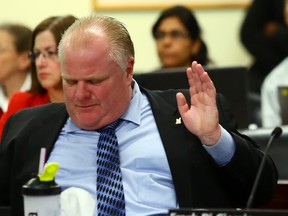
x=223, y=151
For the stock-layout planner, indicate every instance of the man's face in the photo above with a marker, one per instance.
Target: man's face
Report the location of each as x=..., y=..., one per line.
x=97, y=91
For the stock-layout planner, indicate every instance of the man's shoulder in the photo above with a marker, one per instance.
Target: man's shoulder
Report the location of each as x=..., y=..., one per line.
x=167, y=94
x=44, y=109
x=170, y=94
x=51, y=116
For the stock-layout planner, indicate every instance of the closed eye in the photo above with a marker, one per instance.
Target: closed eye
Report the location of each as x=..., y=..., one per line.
x=95, y=82
x=70, y=82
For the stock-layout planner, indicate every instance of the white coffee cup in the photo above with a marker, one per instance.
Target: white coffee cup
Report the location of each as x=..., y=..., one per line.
x=41, y=205
x=41, y=198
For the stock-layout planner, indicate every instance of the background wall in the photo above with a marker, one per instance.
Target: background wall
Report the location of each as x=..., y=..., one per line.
x=220, y=27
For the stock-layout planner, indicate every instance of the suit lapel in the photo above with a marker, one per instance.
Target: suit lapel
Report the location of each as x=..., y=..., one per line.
x=47, y=131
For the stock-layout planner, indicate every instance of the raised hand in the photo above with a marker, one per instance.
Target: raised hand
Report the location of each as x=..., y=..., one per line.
x=201, y=118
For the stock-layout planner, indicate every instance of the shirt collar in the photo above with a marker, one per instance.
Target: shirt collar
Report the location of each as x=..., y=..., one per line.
x=133, y=113
x=27, y=83
x=3, y=100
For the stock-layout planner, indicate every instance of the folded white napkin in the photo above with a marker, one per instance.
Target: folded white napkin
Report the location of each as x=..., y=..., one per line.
x=76, y=202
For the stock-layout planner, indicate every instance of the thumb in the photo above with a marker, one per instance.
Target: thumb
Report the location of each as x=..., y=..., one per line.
x=182, y=103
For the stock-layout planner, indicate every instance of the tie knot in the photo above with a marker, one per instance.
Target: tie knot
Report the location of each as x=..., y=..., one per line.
x=111, y=126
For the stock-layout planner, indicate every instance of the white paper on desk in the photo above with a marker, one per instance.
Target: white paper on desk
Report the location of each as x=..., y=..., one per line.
x=76, y=202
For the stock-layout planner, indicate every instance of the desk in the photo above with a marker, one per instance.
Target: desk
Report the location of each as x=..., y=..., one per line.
x=226, y=212
x=280, y=198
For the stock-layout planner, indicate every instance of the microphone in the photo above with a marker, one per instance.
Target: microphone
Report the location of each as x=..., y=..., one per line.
x=274, y=135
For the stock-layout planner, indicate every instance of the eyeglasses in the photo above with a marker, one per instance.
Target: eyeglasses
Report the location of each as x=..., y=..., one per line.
x=47, y=54
x=174, y=35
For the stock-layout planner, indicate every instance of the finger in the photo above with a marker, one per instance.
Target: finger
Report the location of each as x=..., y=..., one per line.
x=193, y=79
x=198, y=71
x=208, y=84
x=182, y=104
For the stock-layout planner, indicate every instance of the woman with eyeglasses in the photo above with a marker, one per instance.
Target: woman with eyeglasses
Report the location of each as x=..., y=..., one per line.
x=178, y=38
x=46, y=75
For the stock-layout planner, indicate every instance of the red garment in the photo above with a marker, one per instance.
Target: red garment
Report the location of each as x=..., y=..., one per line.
x=21, y=100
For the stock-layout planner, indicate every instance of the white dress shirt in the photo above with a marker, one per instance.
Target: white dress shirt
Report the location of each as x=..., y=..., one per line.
x=270, y=106
x=4, y=101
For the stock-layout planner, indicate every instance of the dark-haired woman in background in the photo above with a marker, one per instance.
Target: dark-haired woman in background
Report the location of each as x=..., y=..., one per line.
x=178, y=38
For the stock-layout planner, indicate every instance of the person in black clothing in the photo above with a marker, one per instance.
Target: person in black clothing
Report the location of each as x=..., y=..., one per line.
x=264, y=34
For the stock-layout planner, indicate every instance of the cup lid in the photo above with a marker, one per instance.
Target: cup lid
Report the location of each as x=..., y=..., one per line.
x=36, y=187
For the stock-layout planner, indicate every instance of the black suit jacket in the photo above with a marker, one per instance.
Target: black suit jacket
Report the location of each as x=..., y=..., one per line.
x=198, y=181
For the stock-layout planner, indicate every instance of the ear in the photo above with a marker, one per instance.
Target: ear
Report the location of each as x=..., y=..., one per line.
x=130, y=68
x=196, y=44
x=24, y=62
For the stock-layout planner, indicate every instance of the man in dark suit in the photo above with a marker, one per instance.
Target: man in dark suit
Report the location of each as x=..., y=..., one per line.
x=173, y=153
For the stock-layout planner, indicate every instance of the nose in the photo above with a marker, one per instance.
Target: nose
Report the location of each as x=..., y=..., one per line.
x=82, y=90
x=41, y=60
x=167, y=40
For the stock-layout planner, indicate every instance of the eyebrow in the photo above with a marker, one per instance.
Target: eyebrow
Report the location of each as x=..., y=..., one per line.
x=47, y=48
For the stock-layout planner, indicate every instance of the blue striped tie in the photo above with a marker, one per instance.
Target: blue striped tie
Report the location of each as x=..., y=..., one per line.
x=110, y=194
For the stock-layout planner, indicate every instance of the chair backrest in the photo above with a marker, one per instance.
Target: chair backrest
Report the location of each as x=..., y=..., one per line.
x=229, y=81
